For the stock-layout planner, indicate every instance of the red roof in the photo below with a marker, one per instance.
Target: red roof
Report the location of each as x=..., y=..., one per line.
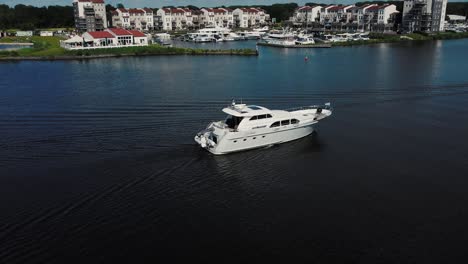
x=136, y=33
x=123, y=10
x=136, y=11
x=384, y=6
x=119, y=32
x=250, y=10
x=373, y=8
x=335, y=8
x=100, y=34
x=148, y=10
x=219, y=11
x=173, y=10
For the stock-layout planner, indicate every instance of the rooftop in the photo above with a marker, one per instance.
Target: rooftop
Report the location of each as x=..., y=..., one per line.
x=243, y=110
x=100, y=34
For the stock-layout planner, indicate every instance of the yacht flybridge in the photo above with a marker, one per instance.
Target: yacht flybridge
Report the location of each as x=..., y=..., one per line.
x=252, y=126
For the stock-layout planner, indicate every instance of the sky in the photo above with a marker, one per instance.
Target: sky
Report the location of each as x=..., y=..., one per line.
x=199, y=3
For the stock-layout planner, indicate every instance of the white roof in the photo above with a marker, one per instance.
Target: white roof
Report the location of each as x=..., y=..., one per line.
x=75, y=39
x=242, y=110
x=456, y=17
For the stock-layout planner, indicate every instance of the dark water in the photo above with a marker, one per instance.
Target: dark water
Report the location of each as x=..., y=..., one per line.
x=98, y=163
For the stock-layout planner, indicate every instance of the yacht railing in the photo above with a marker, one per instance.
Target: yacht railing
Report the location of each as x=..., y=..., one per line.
x=221, y=125
x=325, y=106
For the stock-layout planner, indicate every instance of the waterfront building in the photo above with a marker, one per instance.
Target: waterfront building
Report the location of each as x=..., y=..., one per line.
x=424, y=15
x=46, y=33
x=90, y=15
x=109, y=38
x=217, y=17
x=250, y=17
x=339, y=14
x=325, y=16
x=306, y=14
x=174, y=18
x=133, y=18
x=27, y=33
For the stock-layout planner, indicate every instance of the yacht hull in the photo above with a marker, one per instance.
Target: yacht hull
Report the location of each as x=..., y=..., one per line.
x=235, y=143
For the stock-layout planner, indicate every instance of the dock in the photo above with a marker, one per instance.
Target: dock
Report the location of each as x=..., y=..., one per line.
x=321, y=45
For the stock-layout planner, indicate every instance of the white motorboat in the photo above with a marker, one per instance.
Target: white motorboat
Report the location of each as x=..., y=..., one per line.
x=251, y=126
x=283, y=39
x=263, y=29
x=210, y=34
x=304, y=40
x=246, y=35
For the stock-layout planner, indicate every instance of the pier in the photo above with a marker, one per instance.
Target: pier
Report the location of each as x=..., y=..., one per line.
x=321, y=45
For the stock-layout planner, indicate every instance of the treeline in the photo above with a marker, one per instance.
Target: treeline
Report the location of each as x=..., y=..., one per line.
x=30, y=17
x=457, y=8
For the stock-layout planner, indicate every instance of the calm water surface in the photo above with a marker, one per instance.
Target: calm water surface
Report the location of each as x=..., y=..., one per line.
x=98, y=162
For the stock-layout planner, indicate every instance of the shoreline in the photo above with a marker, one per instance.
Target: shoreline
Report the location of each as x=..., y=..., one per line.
x=380, y=38
x=104, y=56
x=47, y=49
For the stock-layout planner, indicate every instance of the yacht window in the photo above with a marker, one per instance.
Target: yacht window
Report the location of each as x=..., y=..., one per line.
x=285, y=122
x=233, y=121
x=261, y=116
x=268, y=116
x=294, y=121
x=275, y=124
x=253, y=118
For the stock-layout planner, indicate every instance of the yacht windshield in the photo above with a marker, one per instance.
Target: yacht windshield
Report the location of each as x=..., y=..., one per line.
x=233, y=121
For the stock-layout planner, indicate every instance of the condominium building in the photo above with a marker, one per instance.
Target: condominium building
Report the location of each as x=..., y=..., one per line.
x=133, y=18
x=424, y=15
x=174, y=18
x=339, y=14
x=250, y=17
x=306, y=14
x=90, y=15
x=221, y=17
x=378, y=14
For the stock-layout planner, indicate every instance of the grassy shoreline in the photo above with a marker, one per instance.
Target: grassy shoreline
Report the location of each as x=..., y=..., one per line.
x=48, y=48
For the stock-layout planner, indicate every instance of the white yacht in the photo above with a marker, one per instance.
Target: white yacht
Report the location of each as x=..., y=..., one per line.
x=210, y=34
x=251, y=126
x=304, y=40
x=285, y=38
x=246, y=35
